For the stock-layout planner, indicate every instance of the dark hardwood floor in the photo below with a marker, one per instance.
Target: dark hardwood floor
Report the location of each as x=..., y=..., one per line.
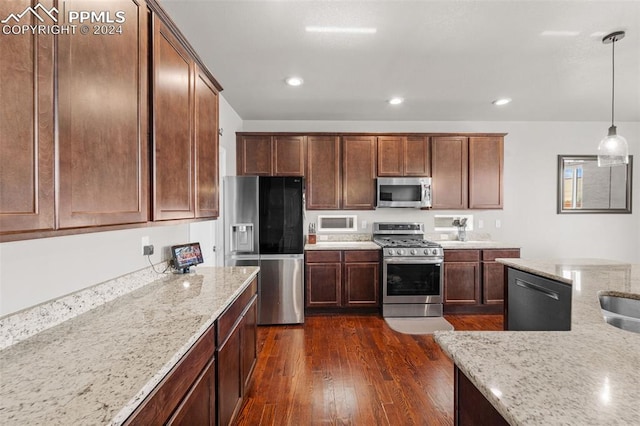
x=352, y=370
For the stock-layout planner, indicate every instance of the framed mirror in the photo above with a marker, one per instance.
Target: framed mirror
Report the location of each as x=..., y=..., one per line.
x=583, y=187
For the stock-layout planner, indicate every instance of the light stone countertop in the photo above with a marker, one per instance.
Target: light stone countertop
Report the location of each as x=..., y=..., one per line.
x=342, y=245
x=98, y=367
x=586, y=376
x=477, y=245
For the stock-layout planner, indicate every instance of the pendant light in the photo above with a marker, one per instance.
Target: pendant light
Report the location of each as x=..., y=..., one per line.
x=613, y=149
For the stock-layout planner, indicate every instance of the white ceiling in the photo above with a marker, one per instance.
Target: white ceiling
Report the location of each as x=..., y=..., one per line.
x=448, y=59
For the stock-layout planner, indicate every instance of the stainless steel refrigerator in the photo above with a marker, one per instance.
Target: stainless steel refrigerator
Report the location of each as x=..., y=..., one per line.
x=263, y=220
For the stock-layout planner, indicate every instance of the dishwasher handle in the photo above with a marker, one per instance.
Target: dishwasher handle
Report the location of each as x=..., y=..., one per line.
x=533, y=287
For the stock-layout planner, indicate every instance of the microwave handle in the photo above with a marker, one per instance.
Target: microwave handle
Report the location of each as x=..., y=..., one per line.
x=426, y=192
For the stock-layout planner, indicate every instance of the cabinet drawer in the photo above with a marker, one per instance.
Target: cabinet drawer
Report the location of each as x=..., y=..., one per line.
x=491, y=255
x=361, y=256
x=227, y=320
x=462, y=255
x=323, y=256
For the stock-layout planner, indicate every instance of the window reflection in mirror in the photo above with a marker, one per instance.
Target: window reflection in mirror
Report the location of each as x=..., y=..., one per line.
x=583, y=187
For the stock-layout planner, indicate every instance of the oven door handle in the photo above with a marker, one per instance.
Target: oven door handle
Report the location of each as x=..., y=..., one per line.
x=413, y=260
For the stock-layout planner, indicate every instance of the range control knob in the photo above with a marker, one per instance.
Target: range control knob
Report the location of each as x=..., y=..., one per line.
x=426, y=251
x=414, y=252
x=434, y=252
x=391, y=252
x=400, y=252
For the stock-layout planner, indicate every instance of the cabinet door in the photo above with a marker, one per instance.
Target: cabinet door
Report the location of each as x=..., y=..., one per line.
x=173, y=127
x=462, y=282
x=323, y=173
x=26, y=127
x=229, y=378
x=391, y=155
x=416, y=156
x=323, y=284
x=485, y=172
x=361, y=284
x=199, y=406
x=449, y=170
x=493, y=275
x=249, y=342
x=358, y=172
x=253, y=156
x=492, y=283
x=102, y=98
x=288, y=155
x=206, y=141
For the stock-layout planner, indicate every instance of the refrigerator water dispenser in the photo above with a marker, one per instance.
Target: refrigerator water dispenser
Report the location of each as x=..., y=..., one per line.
x=242, y=237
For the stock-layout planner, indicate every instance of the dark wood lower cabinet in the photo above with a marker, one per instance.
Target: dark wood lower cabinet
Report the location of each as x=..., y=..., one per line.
x=342, y=279
x=236, y=353
x=470, y=405
x=462, y=277
x=474, y=281
x=361, y=279
x=229, y=381
x=199, y=406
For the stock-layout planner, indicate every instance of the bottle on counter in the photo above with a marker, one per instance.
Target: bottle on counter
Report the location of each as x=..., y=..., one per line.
x=311, y=238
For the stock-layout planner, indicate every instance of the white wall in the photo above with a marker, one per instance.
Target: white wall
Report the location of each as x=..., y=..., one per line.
x=34, y=271
x=529, y=217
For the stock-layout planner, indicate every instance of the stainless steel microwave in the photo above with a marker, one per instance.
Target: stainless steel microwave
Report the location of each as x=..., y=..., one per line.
x=410, y=192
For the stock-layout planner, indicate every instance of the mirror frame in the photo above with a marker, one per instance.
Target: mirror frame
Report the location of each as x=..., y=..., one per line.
x=562, y=210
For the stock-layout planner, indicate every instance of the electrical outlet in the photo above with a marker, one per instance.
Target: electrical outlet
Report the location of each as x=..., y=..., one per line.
x=363, y=224
x=498, y=223
x=147, y=250
x=480, y=224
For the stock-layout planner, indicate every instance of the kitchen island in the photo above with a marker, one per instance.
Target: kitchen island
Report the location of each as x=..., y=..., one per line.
x=586, y=376
x=98, y=367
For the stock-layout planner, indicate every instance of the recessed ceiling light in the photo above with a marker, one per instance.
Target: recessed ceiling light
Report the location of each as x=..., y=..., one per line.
x=348, y=30
x=501, y=101
x=294, y=81
x=395, y=101
x=560, y=33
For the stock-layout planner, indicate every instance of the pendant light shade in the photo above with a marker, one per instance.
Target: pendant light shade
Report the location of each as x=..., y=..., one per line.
x=613, y=149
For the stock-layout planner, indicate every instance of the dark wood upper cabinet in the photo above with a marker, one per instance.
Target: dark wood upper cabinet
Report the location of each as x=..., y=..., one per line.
x=485, y=172
x=288, y=155
x=206, y=140
x=403, y=156
x=77, y=150
x=417, y=161
x=359, y=155
x=103, y=116
x=173, y=103
x=449, y=171
x=323, y=177
x=253, y=155
x=267, y=155
x=391, y=155
x=26, y=128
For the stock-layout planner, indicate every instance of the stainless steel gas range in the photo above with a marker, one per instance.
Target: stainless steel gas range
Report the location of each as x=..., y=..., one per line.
x=412, y=276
